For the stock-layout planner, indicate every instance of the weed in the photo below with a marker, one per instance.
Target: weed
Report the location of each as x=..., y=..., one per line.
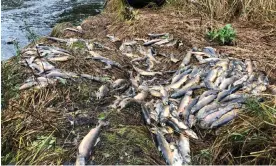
x=31, y=35
x=225, y=35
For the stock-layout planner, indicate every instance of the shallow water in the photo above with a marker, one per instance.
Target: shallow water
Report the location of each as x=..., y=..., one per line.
x=20, y=17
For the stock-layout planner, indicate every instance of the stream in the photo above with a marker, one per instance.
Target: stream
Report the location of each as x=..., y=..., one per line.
x=21, y=18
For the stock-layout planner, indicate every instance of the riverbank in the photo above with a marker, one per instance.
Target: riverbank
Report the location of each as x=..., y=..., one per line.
x=39, y=121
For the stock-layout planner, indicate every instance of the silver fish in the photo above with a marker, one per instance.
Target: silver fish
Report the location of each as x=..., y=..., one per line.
x=184, y=103
x=184, y=148
x=179, y=75
x=206, y=110
x=192, y=82
x=145, y=113
x=146, y=73
x=249, y=66
x=150, y=42
x=190, y=133
x=226, y=82
x=89, y=140
x=102, y=92
x=118, y=83
x=186, y=59
x=178, y=84
x=212, y=75
x=241, y=80
x=155, y=93
x=225, y=118
x=209, y=119
x=141, y=96
x=164, y=147
x=201, y=103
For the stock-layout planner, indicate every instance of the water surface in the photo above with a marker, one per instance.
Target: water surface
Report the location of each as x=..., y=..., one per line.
x=20, y=17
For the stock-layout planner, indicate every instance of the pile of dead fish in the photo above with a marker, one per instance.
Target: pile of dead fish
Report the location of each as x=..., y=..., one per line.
x=41, y=61
x=207, y=89
x=207, y=93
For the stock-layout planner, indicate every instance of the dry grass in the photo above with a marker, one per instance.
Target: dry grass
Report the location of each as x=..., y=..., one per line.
x=228, y=10
x=250, y=139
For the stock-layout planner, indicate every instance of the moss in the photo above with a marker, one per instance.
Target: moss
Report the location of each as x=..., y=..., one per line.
x=127, y=144
x=59, y=28
x=79, y=45
x=199, y=91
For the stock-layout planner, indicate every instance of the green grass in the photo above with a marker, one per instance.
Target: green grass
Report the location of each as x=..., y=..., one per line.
x=224, y=36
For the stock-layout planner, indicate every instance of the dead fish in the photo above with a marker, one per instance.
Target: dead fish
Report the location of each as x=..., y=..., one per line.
x=173, y=125
x=157, y=35
x=177, y=158
x=208, y=109
x=28, y=85
x=80, y=160
x=249, y=66
x=184, y=103
x=190, y=133
x=117, y=83
x=164, y=41
x=209, y=60
x=89, y=140
x=210, y=85
x=223, y=63
x=127, y=102
x=209, y=119
x=182, y=91
x=173, y=59
x=192, y=82
x=241, y=80
x=210, y=51
x=258, y=89
x=145, y=113
x=99, y=79
x=191, y=121
x=59, y=59
x=44, y=65
x=186, y=60
x=226, y=82
x=179, y=123
x=184, y=148
x=224, y=119
x=232, y=97
x=150, y=56
x=179, y=83
x=155, y=93
x=224, y=93
x=212, y=75
x=171, y=43
x=146, y=73
x=207, y=93
x=201, y=103
x=150, y=42
x=164, y=114
x=141, y=96
x=56, y=73
x=113, y=38
x=133, y=81
x=164, y=147
x=178, y=76
x=102, y=92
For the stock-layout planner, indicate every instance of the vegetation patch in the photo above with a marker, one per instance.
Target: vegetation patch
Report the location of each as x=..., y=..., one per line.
x=224, y=36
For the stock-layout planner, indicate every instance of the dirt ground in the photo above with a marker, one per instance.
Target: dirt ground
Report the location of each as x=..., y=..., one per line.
x=127, y=140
